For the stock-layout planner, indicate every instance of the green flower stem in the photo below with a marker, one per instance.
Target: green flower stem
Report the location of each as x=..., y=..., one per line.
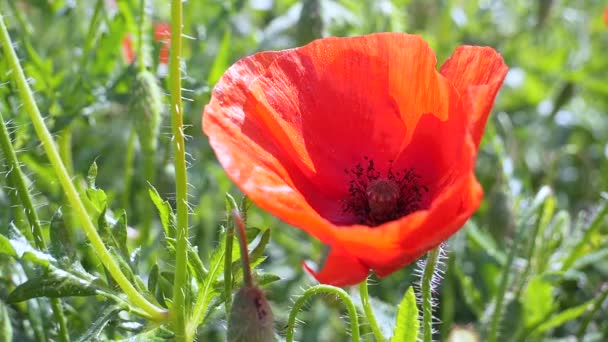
x=369, y=313
x=181, y=180
x=141, y=60
x=427, y=300
x=128, y=175
x=64, y=179
x=247, y=277
x=327, y=289
x=230, y=203
x=18, y=182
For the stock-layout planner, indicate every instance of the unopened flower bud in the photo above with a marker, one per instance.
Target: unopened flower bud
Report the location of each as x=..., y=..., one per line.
x=251, y=317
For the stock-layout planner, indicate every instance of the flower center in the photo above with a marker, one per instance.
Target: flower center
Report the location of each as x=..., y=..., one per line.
x=374, y=199
x=382, y=197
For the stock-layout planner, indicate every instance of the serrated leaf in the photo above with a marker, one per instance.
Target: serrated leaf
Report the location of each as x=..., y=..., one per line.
x=6, y=329
x=537, y=300
x=407, y=325
x=97, y=326
x=196, y=265
x=53, y=284
x=165, y=211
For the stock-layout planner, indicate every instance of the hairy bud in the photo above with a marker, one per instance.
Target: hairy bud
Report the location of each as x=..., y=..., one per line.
x=251, y=317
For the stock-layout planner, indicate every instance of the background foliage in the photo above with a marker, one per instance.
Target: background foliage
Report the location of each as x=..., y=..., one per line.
x=538, y=246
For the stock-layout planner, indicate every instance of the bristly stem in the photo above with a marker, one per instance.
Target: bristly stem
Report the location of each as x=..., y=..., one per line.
x=181, y=180
x=427, y=294
x=247, y=277
x=68, y=187
x=332, y=291
x=228, y=254
x=18, y=181
x=369, y=312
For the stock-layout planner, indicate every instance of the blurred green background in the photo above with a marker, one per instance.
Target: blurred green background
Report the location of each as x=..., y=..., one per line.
x=549, y=127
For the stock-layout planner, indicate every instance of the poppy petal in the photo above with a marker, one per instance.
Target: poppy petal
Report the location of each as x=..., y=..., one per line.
x=477, y=73
x=249, y=154
x=335, y=101
x=340, y=269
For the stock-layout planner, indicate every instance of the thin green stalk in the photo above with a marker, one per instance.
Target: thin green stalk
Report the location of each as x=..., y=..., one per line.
x=141, y=60
x=330, y=290
x=369, y=313
x=18, y=181
x=247, y=277
x=427, y=295
x=128, y=175
x=228, y=266
x=181, y=179
x=48, y=144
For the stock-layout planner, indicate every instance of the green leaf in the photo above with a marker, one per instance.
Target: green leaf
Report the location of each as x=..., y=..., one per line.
x=6, y=329
x=108, y=314
x=16, y=245
x=54, y=284
x=119, y=233
x=407, y=323
x=159, y=334
x=221, y=61
x=537, y=300
x=6, y=247
x=92, y=175
x=61, y=245
x=153, y=278
x=97, y=197
x=563, y=317
x=167, y=216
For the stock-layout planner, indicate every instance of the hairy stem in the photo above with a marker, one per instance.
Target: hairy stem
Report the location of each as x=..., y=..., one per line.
x=369, y=313
x=64, y=179
x=324, y=289
x=181, y=180
x=18, y=181
x=427, y=294
x=247, y=277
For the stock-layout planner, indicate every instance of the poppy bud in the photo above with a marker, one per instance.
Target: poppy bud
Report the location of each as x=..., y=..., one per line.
x=251, y=317
x=145, y=107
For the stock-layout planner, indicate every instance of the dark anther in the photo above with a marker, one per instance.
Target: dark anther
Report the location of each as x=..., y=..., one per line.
x=375, y=199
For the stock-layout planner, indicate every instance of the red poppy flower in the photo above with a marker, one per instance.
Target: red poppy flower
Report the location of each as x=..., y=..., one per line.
x=162, y=33
x=127, y=49
x=360, y=142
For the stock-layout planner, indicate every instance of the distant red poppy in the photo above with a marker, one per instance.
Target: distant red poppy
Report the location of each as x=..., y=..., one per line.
x=606, y=16
x=127, y=49
x=162, y=34
x=360, y=142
